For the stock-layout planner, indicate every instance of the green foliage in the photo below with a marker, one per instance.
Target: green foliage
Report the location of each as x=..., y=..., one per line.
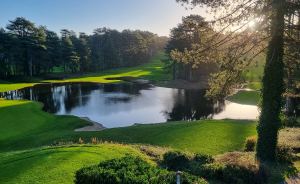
x=290, y=121
x=176, y=160
x=272, y=89
x=130, y=170
x=284, y=154
x=230, y=168
x=189, y=69
x=30, y=50
x=250, y=143
x=56, y=164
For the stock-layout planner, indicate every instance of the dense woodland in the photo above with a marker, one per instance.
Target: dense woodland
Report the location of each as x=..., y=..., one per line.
x=184, y=37
x=26, y=49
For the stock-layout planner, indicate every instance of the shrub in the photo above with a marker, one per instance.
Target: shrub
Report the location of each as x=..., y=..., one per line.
x=175, y=160
x=233, y=167
x=202, y=158
x=284, y=154
x=250, y=143
x=130, y=170
x=290, y=121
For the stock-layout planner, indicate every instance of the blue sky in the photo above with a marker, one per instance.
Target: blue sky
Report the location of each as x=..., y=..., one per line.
x=157, y=16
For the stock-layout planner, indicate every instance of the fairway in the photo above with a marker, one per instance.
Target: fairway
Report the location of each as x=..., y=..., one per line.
x=57, y=164
x=245, y=97
x=152, y=70
x=253, y=86
x=254, y=73
x=213, y=136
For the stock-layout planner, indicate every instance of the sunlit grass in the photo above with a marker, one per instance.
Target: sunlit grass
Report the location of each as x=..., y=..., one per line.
x=253, y=86
x=254, y=73
x=56, y=164
x=153, y=70
x=245, y=97
x=26, y=126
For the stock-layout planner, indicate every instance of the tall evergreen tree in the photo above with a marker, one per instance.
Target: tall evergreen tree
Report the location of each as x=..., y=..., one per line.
x=68, y=54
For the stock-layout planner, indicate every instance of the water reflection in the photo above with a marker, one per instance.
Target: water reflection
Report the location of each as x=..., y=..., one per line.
x=119, y=105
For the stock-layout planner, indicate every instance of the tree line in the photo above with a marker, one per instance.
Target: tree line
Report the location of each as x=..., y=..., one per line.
x=184, y=37
x=26, y=49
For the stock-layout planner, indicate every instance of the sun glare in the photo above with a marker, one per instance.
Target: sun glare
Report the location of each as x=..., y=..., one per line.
x=251, y=23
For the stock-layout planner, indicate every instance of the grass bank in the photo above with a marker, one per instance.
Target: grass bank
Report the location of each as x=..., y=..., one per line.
x=252, y=74
x=245, y=97
x=56, y=164
x=24, y=125
x=256, y=86
x=153, y=70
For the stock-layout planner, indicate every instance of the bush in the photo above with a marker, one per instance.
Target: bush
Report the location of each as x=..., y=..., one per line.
x=284, y=154
x=233, y=167
x=202, y=158
x=130, y=170
x=176, y=161
x=290, y=121
x=250, y=143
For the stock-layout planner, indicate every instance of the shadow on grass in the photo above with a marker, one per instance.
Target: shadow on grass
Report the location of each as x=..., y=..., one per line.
x=280, y=172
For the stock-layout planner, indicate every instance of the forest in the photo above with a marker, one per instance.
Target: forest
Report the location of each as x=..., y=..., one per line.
x=27, y=49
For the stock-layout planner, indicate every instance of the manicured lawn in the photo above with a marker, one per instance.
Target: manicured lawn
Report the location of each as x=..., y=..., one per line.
x=26, y=126
x=57, y=164
x=9, y=86
x=245, y=97
x=254, y=73
x=253, y=86
x=153, y=70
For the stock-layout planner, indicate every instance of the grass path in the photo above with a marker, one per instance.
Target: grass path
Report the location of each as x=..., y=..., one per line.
x=153, y=70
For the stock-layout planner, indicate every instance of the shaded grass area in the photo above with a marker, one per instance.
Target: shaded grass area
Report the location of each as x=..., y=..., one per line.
x=57, y=164
x=213, y=136
x=245, y=97
x=153, y=70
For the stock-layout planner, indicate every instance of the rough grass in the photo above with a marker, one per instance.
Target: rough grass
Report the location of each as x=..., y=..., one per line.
x=290, y=137
x=153, y=70
x=245, y=97
x=24, y=125
x=56, y=164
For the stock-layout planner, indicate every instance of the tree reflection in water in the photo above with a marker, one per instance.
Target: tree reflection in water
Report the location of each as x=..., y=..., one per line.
x=117, y=105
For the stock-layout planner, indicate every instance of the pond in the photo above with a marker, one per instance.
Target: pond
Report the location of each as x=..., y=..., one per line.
x=120, y=105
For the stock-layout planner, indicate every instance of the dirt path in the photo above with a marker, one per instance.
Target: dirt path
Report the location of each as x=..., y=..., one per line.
x=95, y=127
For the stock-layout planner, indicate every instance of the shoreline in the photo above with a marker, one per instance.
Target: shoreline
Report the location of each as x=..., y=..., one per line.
x=96, y=127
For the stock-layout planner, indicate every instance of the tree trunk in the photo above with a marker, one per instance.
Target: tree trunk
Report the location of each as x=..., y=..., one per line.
x=67, y=70
x=272, y=89
x=174, y=70
x=30, y=64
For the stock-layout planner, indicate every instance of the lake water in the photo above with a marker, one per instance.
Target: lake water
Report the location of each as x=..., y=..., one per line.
x=120, y=105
